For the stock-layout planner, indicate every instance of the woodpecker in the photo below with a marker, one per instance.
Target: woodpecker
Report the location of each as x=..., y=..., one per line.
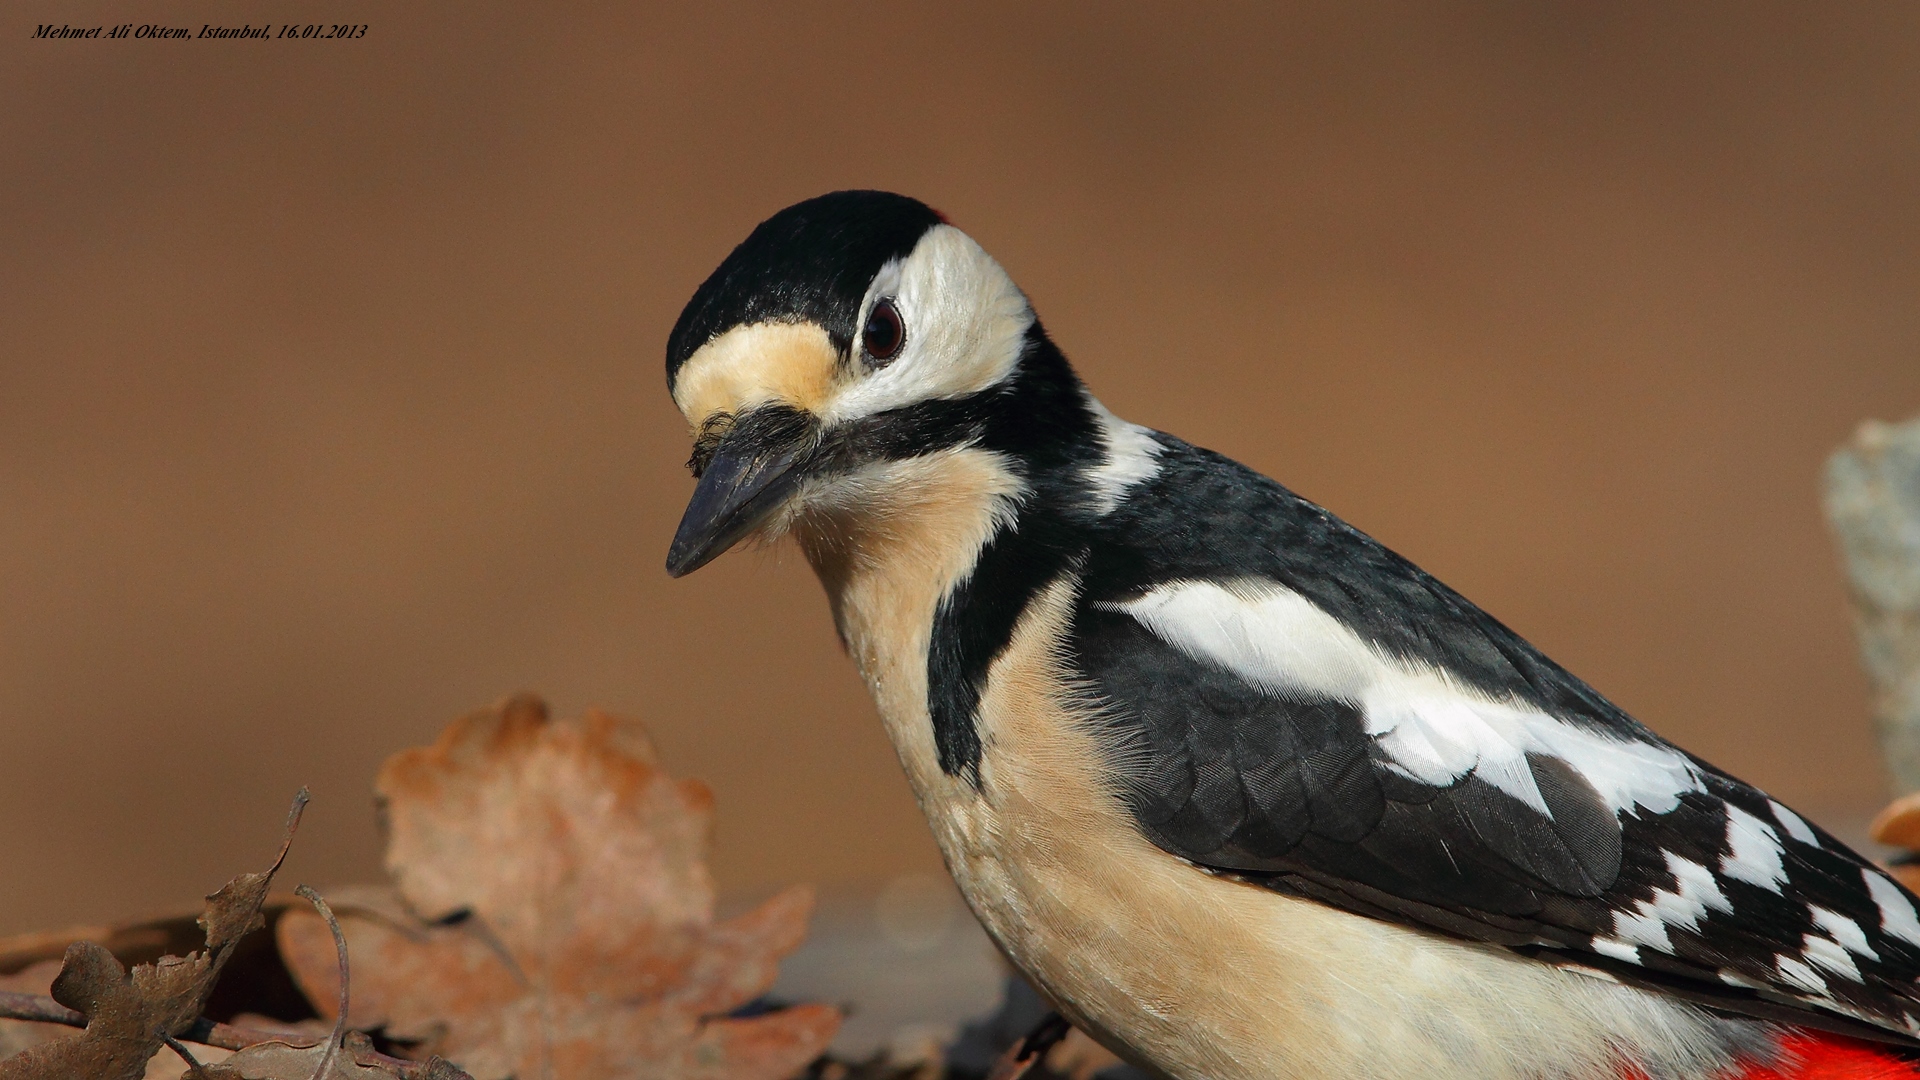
x=1243, y=793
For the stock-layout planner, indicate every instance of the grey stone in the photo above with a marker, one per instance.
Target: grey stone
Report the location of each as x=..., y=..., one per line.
x=1873, y=503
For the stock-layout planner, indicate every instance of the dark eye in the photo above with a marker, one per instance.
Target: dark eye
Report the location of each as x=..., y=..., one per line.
x=884, y=332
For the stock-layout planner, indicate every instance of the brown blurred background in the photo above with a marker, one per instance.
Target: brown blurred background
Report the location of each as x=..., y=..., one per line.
x=331, y=399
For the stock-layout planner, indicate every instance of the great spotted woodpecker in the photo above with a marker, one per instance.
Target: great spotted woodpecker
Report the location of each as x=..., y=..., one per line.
x=1242, y=792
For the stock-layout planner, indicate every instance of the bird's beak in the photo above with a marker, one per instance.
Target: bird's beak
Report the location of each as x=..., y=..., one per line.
x=757, y=464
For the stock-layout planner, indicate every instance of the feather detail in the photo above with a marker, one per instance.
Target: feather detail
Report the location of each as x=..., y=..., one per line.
x=1819, y=1055
x=1290, y=704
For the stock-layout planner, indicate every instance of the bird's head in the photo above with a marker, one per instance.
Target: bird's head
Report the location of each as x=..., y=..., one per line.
x=847, y=332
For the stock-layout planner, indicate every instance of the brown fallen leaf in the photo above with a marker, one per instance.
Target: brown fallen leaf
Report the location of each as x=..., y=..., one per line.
x=1899, y=826
x=28, y=988
x=340, y=1055
x=552, y=915
x=131, y=1014
x=286, y=1061
x=253, y=979
x=18, y=1035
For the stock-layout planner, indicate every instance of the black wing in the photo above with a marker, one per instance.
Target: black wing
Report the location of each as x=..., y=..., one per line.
x=1720, y=894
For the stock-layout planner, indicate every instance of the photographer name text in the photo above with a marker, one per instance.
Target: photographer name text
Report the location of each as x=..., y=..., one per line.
x=157, y=32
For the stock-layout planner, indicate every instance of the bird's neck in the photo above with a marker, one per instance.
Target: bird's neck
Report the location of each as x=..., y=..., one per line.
x=915, y=528
x=895, y=544
x=991, y=465
x=970, y=468
x=887, y=563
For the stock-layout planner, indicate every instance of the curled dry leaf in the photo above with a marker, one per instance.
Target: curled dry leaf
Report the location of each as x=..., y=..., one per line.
x=131, y=1014
x=552, y=915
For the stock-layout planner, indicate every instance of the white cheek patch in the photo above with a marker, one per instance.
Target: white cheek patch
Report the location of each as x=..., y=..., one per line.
x=1432, y=729
x=966, y=326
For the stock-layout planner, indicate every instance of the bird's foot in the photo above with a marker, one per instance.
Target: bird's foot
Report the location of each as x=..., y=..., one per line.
x=1023, y=1054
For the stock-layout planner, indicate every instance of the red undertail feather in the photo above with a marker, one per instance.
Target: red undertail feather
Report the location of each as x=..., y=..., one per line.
x=1814, y=1055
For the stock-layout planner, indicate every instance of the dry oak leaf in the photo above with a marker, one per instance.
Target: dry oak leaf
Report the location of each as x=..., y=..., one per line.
x=353, y=1060
x=552, y=915
x=131, y=1014
x=285, y=1061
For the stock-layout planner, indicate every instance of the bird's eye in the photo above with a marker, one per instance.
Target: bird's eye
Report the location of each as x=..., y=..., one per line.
x=884, y=332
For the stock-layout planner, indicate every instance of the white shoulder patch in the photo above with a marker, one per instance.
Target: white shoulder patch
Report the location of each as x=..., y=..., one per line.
x=1432, y=729
x=1133, y=455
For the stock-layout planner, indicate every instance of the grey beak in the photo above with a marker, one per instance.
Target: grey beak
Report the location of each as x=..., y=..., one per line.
x=756, y=466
